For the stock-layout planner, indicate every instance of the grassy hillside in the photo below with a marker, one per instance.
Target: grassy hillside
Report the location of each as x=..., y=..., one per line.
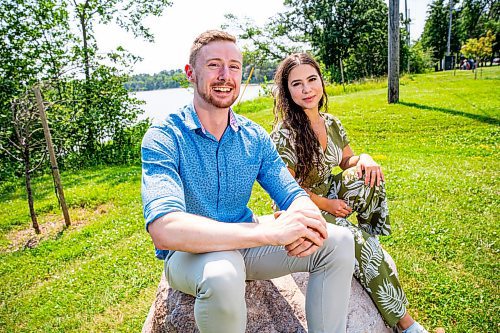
x=439, y=150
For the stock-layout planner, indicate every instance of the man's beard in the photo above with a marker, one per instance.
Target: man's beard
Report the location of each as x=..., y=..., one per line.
x=221, y=104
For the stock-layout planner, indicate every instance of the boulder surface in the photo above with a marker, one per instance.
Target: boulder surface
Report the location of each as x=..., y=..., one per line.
x=274, y=306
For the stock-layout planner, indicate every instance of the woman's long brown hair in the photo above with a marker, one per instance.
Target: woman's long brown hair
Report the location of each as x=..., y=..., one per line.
x=306, y=143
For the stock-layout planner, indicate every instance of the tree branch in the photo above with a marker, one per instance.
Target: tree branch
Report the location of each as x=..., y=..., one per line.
x=15, y=145
x=44, y=157
x=10, y=154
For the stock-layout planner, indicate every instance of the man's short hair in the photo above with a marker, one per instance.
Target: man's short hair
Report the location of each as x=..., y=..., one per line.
x=205, y=38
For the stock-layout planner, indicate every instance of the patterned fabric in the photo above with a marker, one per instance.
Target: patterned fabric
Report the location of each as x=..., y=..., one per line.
x=370, y=204
x=187, y=170
x=371, y=268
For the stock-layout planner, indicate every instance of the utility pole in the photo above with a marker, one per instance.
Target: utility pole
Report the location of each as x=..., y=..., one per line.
x=407, y=24
x=53, y=161
x=448, y=43
x=393, y=61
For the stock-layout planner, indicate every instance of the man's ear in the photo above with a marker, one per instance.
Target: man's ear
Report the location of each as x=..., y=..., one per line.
x=189, y=73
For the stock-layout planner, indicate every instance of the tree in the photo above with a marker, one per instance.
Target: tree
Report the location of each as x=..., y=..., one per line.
x=34, y=43
x=39, y=43
x=368, y=55
x=25, y=143
x=341, y=33
x=162, y=80
x=420, y=59
x=470, y=18
x=272, y=42
x=338, y=30
x=480, y=49
x=479, y=16
x=435, y=32
x=128, y=15
x=34, y=46
x=475, y=15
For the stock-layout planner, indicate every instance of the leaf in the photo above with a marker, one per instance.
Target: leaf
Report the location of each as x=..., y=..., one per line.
x=371, y=258
x=392, y=298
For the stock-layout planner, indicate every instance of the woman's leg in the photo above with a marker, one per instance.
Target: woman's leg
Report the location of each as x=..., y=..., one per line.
x=375, y=274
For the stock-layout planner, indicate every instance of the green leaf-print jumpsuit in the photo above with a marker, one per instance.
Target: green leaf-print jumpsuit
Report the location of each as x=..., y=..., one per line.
x=370, y=205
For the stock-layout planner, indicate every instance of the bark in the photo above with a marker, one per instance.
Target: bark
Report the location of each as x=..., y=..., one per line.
x=90, y=140
x=393, y=84
x=83, y=24
x=27, y=175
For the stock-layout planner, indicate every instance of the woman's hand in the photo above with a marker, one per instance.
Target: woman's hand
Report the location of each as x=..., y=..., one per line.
x=338, y=207
x=373, y=172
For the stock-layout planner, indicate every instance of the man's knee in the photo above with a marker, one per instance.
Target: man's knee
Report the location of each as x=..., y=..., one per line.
x=340, y=244
x=223, y=280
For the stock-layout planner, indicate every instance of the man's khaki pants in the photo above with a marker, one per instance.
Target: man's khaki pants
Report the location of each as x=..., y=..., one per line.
x=217, y=280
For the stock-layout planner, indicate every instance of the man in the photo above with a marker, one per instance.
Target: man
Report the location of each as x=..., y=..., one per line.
x=198, y=170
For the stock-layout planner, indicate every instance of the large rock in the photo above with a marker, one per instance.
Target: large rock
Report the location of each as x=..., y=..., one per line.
x=274, y=306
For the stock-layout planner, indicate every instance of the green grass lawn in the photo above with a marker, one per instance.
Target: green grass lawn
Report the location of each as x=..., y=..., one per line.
x=439, y=151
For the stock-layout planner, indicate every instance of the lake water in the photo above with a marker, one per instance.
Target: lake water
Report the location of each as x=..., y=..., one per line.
x=161, y=102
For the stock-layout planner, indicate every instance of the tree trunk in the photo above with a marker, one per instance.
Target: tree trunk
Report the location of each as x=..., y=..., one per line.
x=27, y=176
x=86, y=61
x=90, y=140
x=342, y=72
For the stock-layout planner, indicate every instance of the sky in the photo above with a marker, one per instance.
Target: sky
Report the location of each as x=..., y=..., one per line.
x=176, y=29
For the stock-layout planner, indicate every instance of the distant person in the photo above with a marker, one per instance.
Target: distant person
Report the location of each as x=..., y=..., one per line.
x=312, y=143
x=472, y=64
x=463, y=64
x=199, y=167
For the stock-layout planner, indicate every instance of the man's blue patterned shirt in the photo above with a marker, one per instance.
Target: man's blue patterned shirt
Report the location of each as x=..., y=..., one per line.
x=185, y=169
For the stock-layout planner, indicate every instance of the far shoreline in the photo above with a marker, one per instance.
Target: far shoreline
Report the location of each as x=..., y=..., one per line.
x=179, y=87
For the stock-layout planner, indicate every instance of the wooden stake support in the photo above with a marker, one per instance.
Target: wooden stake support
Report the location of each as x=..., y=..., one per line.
x=53, y=161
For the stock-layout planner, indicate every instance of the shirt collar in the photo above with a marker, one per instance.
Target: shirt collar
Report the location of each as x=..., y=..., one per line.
x=233, y=122
x=193, y=122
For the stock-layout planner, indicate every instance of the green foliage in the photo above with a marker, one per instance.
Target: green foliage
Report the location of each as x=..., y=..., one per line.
x=128, y=14
x=420, y=59
x=97, y=113
x=162, y=80
x=471, y=20
x=263, y=70
x=361, y=44
x=478, y=16
x=91, y=114
x=272, y=42
x=343, y=35
x=435, y=32
x=440, y=156
x=479, y=49
x=34, y=39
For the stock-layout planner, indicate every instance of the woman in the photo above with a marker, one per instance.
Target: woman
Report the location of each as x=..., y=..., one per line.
x=312, y=143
